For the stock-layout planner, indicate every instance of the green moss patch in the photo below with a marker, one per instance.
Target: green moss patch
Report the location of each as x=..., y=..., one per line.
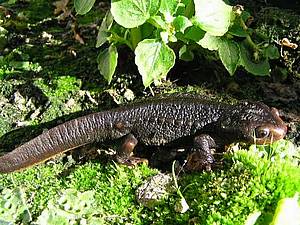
x=250, y=181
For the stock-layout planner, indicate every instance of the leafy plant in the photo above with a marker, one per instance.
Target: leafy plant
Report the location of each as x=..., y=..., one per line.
x=73, y=207
x=287, y=211
x=13, y=207
x=159, y=30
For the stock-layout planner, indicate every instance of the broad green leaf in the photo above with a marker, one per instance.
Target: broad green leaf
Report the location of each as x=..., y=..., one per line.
x=245, y=15
x=261, y=68
x=194, y=33
x=287, y=212
x=252, y=218
x=229, y=54
x=186, y=54
x=69, y=208
x=181, y=23
x=107, y=62
x=3, y=31
x=83, y=6
x=154, y=60
x=146, y=30
x=169, y=6
x=102, y=38
x=210, y=42
x=237, y=30
x=158, y=22
x=13, y=206
x=164, y=35
x=213, y=16
x=133, y=13
x=103, y=30
x=3, y=38
x=271, y=52
x=23, y=65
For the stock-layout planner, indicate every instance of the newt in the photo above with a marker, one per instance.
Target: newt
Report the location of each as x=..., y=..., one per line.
x=170, y=121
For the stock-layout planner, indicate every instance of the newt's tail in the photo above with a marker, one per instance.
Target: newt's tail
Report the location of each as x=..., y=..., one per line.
x=67, y=136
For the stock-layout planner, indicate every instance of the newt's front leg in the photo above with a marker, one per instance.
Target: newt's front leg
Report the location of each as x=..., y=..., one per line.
x=201, y=157
x=125, y=153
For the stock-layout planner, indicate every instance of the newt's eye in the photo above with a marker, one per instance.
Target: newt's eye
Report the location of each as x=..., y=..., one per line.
x=262, y=132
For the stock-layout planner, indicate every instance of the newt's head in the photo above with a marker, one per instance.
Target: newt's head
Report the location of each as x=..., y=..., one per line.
x=257, y=123
x=263, y=125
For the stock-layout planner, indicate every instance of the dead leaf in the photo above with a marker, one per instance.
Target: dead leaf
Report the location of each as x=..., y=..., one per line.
x=60, y=6
x=287, y=43
x=78, y=38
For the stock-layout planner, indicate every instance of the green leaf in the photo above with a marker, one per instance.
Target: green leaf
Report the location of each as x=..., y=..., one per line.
x=237, y=30
x=158, y=22
x=186, y=54
x=169, y=6
x=146, y=30
x=213, y=16
x=154, y=60
x=252, y=218
x=271, y=52
x=107, y=62
x=210, y=42
x=13, y=206
x=22, y=65
x=83, y=6
x=103, y=33
x=261, y=68
x=181, y=23
x=287, y=211
x=229, y=54
x=194, y=33
x=69, y=208
x=3, y=31
x=131, y=13
x=245, y=16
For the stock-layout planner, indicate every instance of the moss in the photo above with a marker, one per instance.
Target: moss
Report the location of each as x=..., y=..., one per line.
x=114, y=187
x=63, y=94
x=11, y=111
x=252, y=183
x=45, y=186
x=248, y=182
x=5, y=126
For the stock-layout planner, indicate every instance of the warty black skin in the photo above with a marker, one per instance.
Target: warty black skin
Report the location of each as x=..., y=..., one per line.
x=160, y=121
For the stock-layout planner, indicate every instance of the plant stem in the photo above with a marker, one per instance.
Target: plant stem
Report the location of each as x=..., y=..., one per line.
x=117, y=39
x=248, y=37
x=175, y=180
x=136, y=36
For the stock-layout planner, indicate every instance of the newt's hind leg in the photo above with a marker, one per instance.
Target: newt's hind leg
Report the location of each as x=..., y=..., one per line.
x=201, y=157
x=125, y=153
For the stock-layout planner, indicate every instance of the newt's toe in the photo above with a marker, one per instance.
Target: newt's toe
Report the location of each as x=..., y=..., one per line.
x=132, y=161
